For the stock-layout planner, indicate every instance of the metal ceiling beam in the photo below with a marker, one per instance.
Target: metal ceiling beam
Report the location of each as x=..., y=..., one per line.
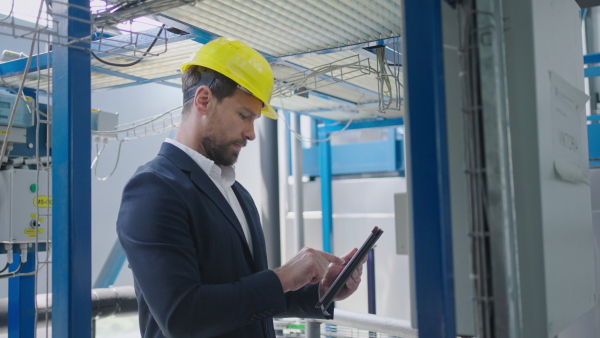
x=17, y=67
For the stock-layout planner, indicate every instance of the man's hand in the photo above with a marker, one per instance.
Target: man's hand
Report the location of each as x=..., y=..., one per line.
x=334, y=271
x=308, y=266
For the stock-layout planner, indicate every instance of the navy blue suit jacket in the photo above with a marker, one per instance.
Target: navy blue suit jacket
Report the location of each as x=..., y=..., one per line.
x=193, y=270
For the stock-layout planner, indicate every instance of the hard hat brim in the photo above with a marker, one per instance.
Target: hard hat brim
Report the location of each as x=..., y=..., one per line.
x=269, y=112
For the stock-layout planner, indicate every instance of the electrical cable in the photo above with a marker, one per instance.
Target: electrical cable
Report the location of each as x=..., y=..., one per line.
x=300, y=137
x=5, y=267
x=14, y=273
x=95, y=163
x=12, y=7
x=112, y=132
x=14, y=110
x=136, y=61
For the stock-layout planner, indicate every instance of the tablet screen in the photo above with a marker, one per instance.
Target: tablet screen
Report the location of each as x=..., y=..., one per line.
x=345, y=274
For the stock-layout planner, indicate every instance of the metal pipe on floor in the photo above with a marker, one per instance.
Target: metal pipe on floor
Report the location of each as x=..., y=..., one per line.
x=373, y=323
x=106, y=302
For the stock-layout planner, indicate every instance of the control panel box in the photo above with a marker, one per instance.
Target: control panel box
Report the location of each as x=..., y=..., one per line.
x=23, y=116
x=25, y=205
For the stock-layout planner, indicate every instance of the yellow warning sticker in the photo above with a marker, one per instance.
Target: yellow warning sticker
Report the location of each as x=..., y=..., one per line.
x=42, y=202
x=32, y=231
x=33, y=215
x=4, y=132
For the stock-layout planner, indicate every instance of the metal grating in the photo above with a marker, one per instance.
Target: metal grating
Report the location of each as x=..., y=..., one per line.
x=286, y=27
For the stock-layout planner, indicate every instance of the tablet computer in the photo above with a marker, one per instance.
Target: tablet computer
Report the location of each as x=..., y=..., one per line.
x=353, y=264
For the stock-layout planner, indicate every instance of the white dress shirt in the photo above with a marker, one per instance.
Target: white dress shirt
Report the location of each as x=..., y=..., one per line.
x=223, y=177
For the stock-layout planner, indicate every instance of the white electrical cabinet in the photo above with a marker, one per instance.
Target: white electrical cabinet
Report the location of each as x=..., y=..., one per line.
x=25, y=205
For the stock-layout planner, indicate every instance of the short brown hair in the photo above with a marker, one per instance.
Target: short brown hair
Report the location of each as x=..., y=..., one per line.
x=221, y=86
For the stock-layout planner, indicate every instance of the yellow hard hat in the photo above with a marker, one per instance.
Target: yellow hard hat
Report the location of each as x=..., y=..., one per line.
x=239, y=62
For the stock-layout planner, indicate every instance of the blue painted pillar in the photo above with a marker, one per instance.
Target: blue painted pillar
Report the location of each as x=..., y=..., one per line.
x=326, y=190
x=428, y=169
x=21, y=304
x=71, y=144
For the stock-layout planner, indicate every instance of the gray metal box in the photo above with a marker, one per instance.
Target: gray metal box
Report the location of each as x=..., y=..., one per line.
x=25, y=205
x=104, y=120
x=23, y=116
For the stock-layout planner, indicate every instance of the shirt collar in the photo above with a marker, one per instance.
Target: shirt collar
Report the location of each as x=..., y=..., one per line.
x=226, y=174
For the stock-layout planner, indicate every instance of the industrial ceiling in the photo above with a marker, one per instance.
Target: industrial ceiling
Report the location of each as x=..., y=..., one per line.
x=324, y=53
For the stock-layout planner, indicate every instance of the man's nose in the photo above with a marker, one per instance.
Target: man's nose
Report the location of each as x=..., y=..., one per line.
x=248, y=132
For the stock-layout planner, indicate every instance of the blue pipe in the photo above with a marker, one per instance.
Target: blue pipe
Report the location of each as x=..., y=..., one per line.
x=21, y=293
x=326, y=190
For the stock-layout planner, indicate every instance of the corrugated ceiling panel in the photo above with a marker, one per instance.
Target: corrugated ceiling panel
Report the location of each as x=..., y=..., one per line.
x=286, y=27
x=153, y=67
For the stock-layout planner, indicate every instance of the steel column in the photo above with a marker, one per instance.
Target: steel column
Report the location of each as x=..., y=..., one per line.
x=21, y=305
x=298, y=187
x=428, y=169
x=71, y=235
x=326, y=189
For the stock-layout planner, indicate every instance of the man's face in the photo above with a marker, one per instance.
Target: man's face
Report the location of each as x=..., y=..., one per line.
x=230, y=126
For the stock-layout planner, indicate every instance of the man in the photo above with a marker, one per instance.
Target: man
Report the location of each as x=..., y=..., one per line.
x=192, y=234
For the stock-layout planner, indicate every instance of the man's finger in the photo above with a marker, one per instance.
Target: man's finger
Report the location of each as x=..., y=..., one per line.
x=332, y=258
x=349, y=255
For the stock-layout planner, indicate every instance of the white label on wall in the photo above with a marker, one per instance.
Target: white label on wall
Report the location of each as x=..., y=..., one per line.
x=568, y=123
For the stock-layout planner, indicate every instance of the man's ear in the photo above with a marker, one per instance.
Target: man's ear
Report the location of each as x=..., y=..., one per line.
x=202, y=99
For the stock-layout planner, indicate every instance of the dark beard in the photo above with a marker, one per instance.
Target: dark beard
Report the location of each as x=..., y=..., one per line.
x=221, y=154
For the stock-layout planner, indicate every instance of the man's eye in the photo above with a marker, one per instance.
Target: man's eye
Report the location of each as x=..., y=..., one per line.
x=244, y=117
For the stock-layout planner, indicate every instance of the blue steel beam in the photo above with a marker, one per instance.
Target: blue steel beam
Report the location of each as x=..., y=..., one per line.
x=17, y=67
x=591, y=71
x=21, y=293
x=71, y=135
x=591, y=58
x=428, y=164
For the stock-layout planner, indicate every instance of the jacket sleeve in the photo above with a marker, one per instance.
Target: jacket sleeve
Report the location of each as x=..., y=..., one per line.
x=154, y=229
x=301, y=303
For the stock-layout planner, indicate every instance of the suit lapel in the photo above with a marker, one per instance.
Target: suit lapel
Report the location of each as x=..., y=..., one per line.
x=204, y=184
